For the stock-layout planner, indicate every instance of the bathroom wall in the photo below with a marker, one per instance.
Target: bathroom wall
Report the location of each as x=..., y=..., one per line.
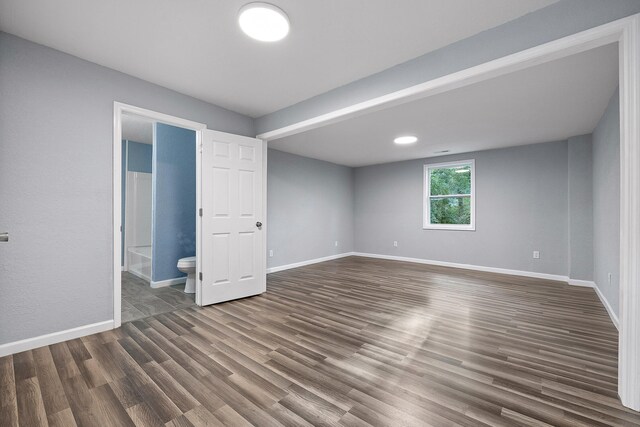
x=174, y=200
x=140, y=157
x=136, y=157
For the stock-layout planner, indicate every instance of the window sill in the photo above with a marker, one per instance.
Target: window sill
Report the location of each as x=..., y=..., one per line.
x=449, y=227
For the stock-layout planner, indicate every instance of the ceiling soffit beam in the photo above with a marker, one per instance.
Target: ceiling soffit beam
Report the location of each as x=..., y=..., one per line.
x=557, y=49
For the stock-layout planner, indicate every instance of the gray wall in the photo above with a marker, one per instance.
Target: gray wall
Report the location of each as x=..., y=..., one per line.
x=552, y=22
x=548, y=197
x=56, y=128
x=580, y=169
x=606, y=202
x=521, y=206
x=310, y=207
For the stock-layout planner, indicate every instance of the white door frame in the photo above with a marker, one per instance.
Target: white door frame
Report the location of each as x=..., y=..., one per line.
x=626, y=32
x=118, y=109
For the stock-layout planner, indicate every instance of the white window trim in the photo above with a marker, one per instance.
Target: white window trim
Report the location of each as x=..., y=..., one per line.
x=426, y=206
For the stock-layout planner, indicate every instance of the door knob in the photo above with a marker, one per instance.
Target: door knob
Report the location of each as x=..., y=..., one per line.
x=258, y=224
x=4, y=237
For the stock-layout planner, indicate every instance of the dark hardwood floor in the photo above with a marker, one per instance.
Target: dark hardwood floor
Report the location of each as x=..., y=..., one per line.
x=351, y=342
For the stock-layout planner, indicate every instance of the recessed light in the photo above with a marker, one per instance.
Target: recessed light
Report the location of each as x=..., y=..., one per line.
x=263, y=21
x=402, y=140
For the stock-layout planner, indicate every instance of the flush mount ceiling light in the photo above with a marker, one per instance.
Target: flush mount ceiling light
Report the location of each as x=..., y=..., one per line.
x=263, y=21
x=403, y=140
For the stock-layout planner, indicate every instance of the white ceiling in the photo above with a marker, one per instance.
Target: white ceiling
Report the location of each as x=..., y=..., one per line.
x=548, y=102
x=196, y=48
x=136, y=128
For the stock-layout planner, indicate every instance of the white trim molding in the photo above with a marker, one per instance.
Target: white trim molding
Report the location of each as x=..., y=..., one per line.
x=607, y=306
x=603, y=300
x=522, y=273
x=581, y=283
x=308, y=262
x=54, y=338
x=629, y=327
x=505, y=271
x=168, y=282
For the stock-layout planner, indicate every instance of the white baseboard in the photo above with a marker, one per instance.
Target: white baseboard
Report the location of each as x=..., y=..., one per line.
x=94, y=328
x=583, y=283
x=603, y=300
x=169, y=282
x=532, y=274
x=55, y=337
x=607, y=306
x=559, y=278
x=308, y=262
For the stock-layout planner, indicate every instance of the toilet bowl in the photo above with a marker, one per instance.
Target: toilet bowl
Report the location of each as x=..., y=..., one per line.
x=188, y=265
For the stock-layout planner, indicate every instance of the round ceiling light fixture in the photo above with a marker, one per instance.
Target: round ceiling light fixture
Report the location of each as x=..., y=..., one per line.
x=403, y=140
x=263, y=21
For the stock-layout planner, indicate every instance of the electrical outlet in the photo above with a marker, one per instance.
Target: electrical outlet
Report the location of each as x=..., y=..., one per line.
x=609, y=277
x=270, y=252
x=336, y=244
x=395, y=243
x=536, y=254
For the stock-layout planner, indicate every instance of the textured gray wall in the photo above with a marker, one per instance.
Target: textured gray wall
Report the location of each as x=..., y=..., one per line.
x=552, y=22
x=606, y=202
x=56, y=129
x=521, y=206
x=310, y=207
x=580, y=208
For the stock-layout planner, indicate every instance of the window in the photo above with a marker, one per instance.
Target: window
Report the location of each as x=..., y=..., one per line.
x=449, y=199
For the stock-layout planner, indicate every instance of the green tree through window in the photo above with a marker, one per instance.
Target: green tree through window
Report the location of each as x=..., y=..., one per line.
x=449, y=199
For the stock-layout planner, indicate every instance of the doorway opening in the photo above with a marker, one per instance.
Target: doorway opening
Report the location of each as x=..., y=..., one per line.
x=158, y=217
x=155, y=223
x=226, y=174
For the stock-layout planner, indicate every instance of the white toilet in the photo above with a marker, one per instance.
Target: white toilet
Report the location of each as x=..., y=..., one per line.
x=188, y=265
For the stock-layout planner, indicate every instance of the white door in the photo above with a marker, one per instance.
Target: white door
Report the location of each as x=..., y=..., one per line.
x=232, y=256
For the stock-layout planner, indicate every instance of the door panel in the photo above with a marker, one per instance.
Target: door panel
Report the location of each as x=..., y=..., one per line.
x=247, y=263
x=221, y=192
x=232, y=259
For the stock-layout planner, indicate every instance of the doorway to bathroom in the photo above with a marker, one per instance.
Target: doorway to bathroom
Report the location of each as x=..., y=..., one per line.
x=230, y=218
x=158, y=216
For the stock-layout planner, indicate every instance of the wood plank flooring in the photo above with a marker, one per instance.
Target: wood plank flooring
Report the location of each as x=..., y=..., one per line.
x=350, y=342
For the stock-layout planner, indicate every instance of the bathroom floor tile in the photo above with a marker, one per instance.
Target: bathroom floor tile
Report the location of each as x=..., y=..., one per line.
x=156, y=306
x=139, y=300
x=175, y=298
x=132, y=314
